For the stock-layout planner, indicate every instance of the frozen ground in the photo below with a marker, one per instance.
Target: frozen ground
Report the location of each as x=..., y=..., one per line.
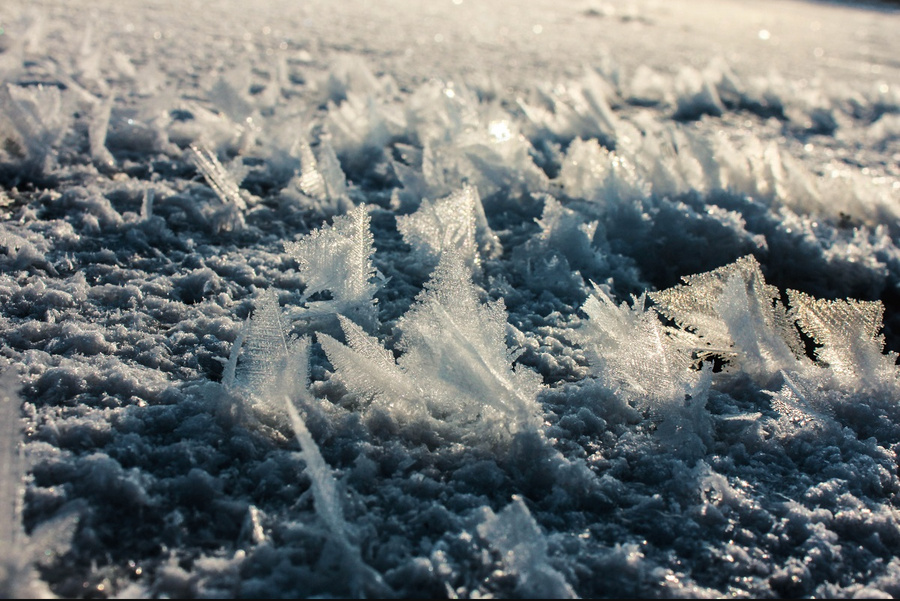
x=449, y=299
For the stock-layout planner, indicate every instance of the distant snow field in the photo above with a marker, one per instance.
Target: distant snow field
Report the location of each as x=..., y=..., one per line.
x=449, y=299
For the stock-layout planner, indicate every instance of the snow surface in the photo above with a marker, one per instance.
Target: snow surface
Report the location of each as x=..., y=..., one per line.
x=449, y=299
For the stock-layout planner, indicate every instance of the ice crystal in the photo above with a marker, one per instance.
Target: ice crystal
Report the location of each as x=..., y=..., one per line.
x=229, y=371
x=580, y=109
x=734, y=313
x=594, y=173
x=630, y=349
x=350, y=74
x=97, y=133
x=696, y=95
x=337, y=259
x=796, y=403
x=757, y=325
x=266, y=361
x=360, y=123
x=364, y=581
x=11, y=476
x=517, y=537
x=566, y=231
x=333, y=174
x=321, y=178
x=310, y=181
x=40, y=116
x=457, y=344
x=847, y=334
x=147, y=204
x=649, y=87
x=464, y=140
x=632, y=353
x=568, y=250
x=455, y=222
x=409, y=173
x=370, y=371
x=227, y=94
x=218, y=177
x=21, y=552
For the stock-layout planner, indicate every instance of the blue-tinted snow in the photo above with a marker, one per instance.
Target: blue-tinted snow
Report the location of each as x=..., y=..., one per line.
x=159, y=161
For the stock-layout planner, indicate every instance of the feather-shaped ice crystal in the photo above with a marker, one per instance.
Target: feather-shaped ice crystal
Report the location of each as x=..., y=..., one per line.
x=363, y=579
x=338, y=259
x=321, y=177
x=454, y=222
x=733, y=309
x=847, y=332
x=217, y=176
x=272, y=363
x=517, y=537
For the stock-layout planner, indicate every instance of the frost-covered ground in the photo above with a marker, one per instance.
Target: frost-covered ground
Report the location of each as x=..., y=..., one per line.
x=458, y=298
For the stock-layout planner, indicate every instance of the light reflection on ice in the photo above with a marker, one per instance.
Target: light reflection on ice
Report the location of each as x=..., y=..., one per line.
x=499, y=131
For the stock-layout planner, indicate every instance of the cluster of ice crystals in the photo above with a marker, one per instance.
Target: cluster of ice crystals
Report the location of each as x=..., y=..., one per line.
x=454, y=372
x=634, y=354
x=120, y=281
x=39, y=117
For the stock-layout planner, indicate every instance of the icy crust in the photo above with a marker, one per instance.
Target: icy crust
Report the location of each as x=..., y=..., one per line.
x=276, y=325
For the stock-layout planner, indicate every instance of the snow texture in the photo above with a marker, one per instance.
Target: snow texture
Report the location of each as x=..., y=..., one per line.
x=467, y=299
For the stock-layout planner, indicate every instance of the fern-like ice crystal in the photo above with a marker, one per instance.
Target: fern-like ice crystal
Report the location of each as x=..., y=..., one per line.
x=337, y=259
